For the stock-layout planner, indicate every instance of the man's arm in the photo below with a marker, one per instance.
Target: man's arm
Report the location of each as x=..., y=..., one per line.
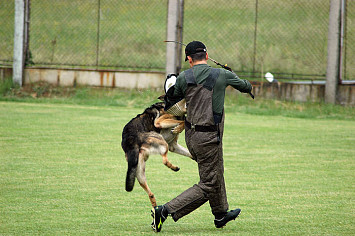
x=180, y=86
x=174, y=94
x=242, y=85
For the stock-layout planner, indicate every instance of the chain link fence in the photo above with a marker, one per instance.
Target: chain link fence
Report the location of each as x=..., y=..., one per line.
x=348, y=69
x=7, y=12
x=98, y=33
x=287, y=38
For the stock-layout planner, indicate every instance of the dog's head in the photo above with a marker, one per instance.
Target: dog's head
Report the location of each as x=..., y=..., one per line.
x=156, y=109
x=159, y=106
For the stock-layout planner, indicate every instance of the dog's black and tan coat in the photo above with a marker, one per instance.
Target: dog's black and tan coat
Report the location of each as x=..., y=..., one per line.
x=152, y=132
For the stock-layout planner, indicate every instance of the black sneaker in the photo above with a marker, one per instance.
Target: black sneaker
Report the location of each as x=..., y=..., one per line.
x=158, y=218
x=231, y=215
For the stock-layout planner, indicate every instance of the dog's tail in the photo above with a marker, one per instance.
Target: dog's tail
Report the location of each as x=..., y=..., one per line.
x=132, y=158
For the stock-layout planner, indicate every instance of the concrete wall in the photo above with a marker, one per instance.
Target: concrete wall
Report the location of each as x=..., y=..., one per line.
x=346, y=95
x=5, y=73
x=66, y=77
x=301, y=92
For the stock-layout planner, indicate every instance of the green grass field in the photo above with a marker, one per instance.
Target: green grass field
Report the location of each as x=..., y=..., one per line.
x=62, y=169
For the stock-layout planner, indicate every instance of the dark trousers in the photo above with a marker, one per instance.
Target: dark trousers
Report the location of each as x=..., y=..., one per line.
x=208, y=153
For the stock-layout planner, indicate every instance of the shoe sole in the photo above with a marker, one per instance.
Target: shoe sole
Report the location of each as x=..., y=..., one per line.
x=154, y=226
x=230, y=220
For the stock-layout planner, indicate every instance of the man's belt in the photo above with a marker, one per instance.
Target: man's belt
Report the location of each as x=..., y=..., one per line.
x=201, y=128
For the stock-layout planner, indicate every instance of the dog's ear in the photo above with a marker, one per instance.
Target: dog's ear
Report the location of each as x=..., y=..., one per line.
x=159, y=106
x=161, y=98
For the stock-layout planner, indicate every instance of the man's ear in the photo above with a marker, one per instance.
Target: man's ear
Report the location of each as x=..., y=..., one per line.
x=190, y=61
x=206, y=56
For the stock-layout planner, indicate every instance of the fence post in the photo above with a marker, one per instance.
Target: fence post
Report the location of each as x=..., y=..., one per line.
x=174, y=33
x=18, y=63
x=333, y=52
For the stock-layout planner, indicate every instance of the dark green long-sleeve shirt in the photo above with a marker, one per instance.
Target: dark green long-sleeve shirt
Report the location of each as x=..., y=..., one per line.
x=225, y=78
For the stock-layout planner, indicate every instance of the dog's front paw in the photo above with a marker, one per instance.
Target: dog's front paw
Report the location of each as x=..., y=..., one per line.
x=176, y=130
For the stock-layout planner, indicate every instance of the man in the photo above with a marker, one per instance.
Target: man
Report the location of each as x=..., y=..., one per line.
x=203, y=88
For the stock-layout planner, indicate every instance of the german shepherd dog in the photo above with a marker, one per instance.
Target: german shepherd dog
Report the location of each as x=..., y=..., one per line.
x=152, y=132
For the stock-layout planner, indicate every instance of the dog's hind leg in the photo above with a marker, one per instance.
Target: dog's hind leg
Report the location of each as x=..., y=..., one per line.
x=177, y=148
x=143, y=156
x=156, y=144
x=168, y=163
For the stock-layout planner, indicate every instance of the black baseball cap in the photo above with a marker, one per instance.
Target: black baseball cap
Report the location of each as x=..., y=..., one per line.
x=193, y=48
